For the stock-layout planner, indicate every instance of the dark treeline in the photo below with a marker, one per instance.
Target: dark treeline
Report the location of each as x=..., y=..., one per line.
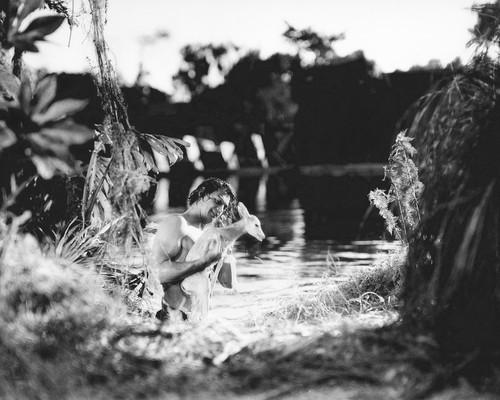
x=325, y=114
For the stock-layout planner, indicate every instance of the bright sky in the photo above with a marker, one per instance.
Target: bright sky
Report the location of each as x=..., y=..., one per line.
x=396, y=34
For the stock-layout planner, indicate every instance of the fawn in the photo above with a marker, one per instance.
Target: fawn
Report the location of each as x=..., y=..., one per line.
x=198, y=286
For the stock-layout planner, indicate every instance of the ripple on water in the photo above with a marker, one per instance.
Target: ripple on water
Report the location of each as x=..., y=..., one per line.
x=270, y=273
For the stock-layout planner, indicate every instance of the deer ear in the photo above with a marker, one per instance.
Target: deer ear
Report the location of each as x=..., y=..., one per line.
x=242, y=210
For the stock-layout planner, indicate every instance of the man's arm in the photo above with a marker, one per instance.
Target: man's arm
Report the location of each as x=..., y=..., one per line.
x=176, y=271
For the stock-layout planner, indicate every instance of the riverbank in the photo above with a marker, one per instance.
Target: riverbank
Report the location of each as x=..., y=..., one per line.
x=63, y=337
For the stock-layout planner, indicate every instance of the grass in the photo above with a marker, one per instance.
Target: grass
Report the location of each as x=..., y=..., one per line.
x=375, y=289
x=63, y=336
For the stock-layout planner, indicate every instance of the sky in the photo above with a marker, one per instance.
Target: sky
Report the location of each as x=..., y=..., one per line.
x=395, y=34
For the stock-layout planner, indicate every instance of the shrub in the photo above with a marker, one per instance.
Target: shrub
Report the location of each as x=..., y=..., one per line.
x=52, y=317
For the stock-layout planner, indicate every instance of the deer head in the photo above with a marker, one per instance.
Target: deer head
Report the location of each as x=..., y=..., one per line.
x=251, y=223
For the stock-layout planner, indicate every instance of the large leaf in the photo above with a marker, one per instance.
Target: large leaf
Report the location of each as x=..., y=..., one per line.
x=157, y=146
x=150, y=162
x=46, y=146
x=47, y=167
x=44, y=93
x=59, y=110
x=25, y=96
x=147, y=152
x=26, y=7
x=9, y=88
x=42, y=26
x=7, y=137
x=24, y=43
x=68, y=132
x=166, y=146
x=36, y=30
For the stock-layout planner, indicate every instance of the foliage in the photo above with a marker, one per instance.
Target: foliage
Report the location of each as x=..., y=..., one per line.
x=451, y=283
x=78, y=246
x=24, y=39
x=265, y=85
x=310, y=43
x=486, y=32
x=131, y=152
x=60, y=7
x=198, y=62
x=37, y=131
x=37, y=139
x=404, y=192
x=52, y=317
x=39, y=127
x=255, y=97
x=453, y=130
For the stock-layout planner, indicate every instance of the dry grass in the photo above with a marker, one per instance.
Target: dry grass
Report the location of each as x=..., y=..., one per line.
x=52, y=318
x=375, y=289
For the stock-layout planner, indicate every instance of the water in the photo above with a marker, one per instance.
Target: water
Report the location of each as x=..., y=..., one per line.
x=288, y=263
x=314, y=225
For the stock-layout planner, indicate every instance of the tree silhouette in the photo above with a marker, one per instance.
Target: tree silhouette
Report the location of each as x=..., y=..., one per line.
x=309, y=43
x=198, y=61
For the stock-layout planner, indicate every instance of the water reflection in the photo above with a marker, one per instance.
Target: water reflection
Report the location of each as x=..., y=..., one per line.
x=332, y=207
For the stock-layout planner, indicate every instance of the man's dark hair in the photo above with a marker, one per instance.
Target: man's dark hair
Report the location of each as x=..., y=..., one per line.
x=210, y=185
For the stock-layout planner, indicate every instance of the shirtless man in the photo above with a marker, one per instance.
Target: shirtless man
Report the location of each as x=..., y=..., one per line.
x=176, y=235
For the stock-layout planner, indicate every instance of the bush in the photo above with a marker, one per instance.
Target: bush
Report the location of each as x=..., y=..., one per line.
x=52, y=317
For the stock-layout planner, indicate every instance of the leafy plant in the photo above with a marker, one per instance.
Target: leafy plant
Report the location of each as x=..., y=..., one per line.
x=403, y=193
x=198, y=60
x=23, y=36
x=42, y=127
x=487, y=29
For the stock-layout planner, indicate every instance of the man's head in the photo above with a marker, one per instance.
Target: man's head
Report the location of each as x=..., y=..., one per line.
x=219, y=193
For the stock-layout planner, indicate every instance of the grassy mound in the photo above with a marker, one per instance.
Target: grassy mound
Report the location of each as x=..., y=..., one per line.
x=52, y=319
x=375, y=289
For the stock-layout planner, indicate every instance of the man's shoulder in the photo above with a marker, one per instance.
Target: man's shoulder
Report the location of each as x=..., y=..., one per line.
x=172, y=222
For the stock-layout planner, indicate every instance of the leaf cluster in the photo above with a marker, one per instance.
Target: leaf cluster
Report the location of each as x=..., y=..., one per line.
x=36, y=124
x=404, y=192
x=23, y=36
x=309, y=41
x=487, y=29
x=198, y=59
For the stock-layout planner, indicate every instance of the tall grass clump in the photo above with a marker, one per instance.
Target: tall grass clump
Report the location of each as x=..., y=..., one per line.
x=451, y=287
x=376, y=288
x=453, y=277
x=53, y=316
